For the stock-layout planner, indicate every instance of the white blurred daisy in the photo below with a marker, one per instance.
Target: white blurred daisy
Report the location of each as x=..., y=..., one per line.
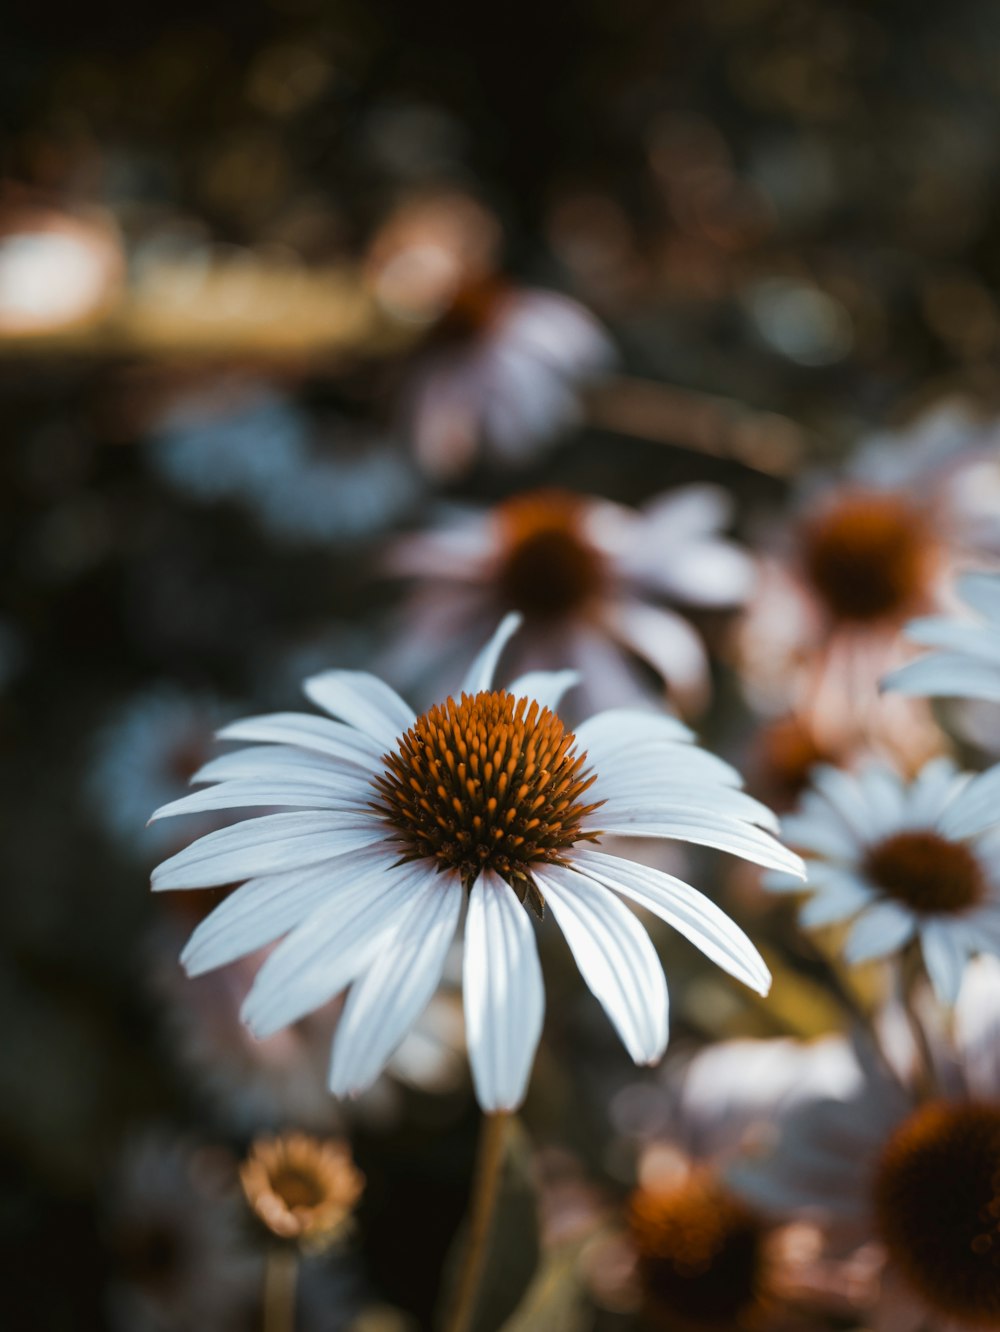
x=590, y=578
x=485, y=799
x=869, y=548
x=966, y=663
x=908, y=860
x=919, y=1178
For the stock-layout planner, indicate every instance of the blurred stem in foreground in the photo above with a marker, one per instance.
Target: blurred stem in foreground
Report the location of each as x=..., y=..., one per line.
x=280, y=1276
x=485, y=1190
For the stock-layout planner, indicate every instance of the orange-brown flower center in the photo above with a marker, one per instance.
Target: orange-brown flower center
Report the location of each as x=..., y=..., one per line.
x=927, y=872
x=701, y=1256
x=548, y=568
x=937, y=1203
x=488, y=782
x=297, y=1187
x=868, y=556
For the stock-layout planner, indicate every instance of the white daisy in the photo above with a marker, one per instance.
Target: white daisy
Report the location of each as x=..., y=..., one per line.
x=487, y=799
x=909, y=860
x=595, y=581
x=967, y=661
x=920, y=1178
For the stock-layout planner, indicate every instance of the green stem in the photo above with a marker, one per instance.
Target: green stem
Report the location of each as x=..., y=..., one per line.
x=280, y=1275
x=485, y=1190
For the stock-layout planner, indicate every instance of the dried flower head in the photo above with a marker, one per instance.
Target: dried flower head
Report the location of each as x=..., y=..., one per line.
x=302, y=1188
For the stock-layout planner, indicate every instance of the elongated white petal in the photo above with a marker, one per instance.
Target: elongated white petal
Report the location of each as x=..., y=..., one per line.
x=946, y=675
x=973, y=640
x=977, y=809
x=274, y=765
x=837, y=900
x=546, y=687
x=333, y=946
x=318, y=734
x=740, y=839
x=658, y=760
x=266, y=845
x=692, y=913
x=981, y=591
x=392, y=993
x=820, y=835
x=479, y=676
x=363, y=701
x=267, y=907
x=932, y=790
x=260, y=761
x=636, y=799
x=844, y=794
x=346, y=794
x=882, y=929
x=503, y=993
x=617, y=729
x=945, y=959
x=615, y=958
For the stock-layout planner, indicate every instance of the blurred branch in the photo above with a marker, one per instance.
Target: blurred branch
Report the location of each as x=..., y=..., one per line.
x=704, y=423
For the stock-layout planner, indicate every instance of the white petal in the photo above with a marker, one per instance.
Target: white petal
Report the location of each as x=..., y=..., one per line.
x=946, y=675
x=364, y=702
x=836, y=900
x=616, y=729
x=346, y=793
x=981, y=591
x=692, y=913
x=546, y=687
x=503, y=993
x=634, y=796
x=479, y=676
x=933, y=788
x=279, y=761
x=976, y=808
x=665, y=640
x=615, y=957
x=843, y=792
x=974, y=640
x=945, y=960
x=332, y=946
x=389, y=997
x=740, y=839
x=819, y=833
x=265, y=845
x=319, y=734
x=265, y=908
x=884, y=928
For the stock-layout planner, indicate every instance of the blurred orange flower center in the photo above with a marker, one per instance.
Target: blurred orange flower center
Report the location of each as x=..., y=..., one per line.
x=927, y=872
x=937, y=1199
x=701, y=1255
x=867, y=556
x=548, y=568
x=488, y=782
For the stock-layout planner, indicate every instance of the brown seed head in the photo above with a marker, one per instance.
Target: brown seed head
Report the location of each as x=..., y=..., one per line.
x=927, y=872
x=869, y=556
x=937, y=1204
x=488, y=782
x=701, y=1256
x=548, y=568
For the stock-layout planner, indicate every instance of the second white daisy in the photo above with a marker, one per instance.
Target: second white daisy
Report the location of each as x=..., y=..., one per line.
x=908, y=860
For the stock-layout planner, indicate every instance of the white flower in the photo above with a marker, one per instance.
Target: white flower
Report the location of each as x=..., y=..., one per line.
x=879, y=1163
x=591, y=579
x=967, y=661
x=508, y=382
x=910, y=861
x=401, y=819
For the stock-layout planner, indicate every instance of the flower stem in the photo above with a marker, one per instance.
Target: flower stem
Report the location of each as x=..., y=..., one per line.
x=485, y=1189
x=280, y=1275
